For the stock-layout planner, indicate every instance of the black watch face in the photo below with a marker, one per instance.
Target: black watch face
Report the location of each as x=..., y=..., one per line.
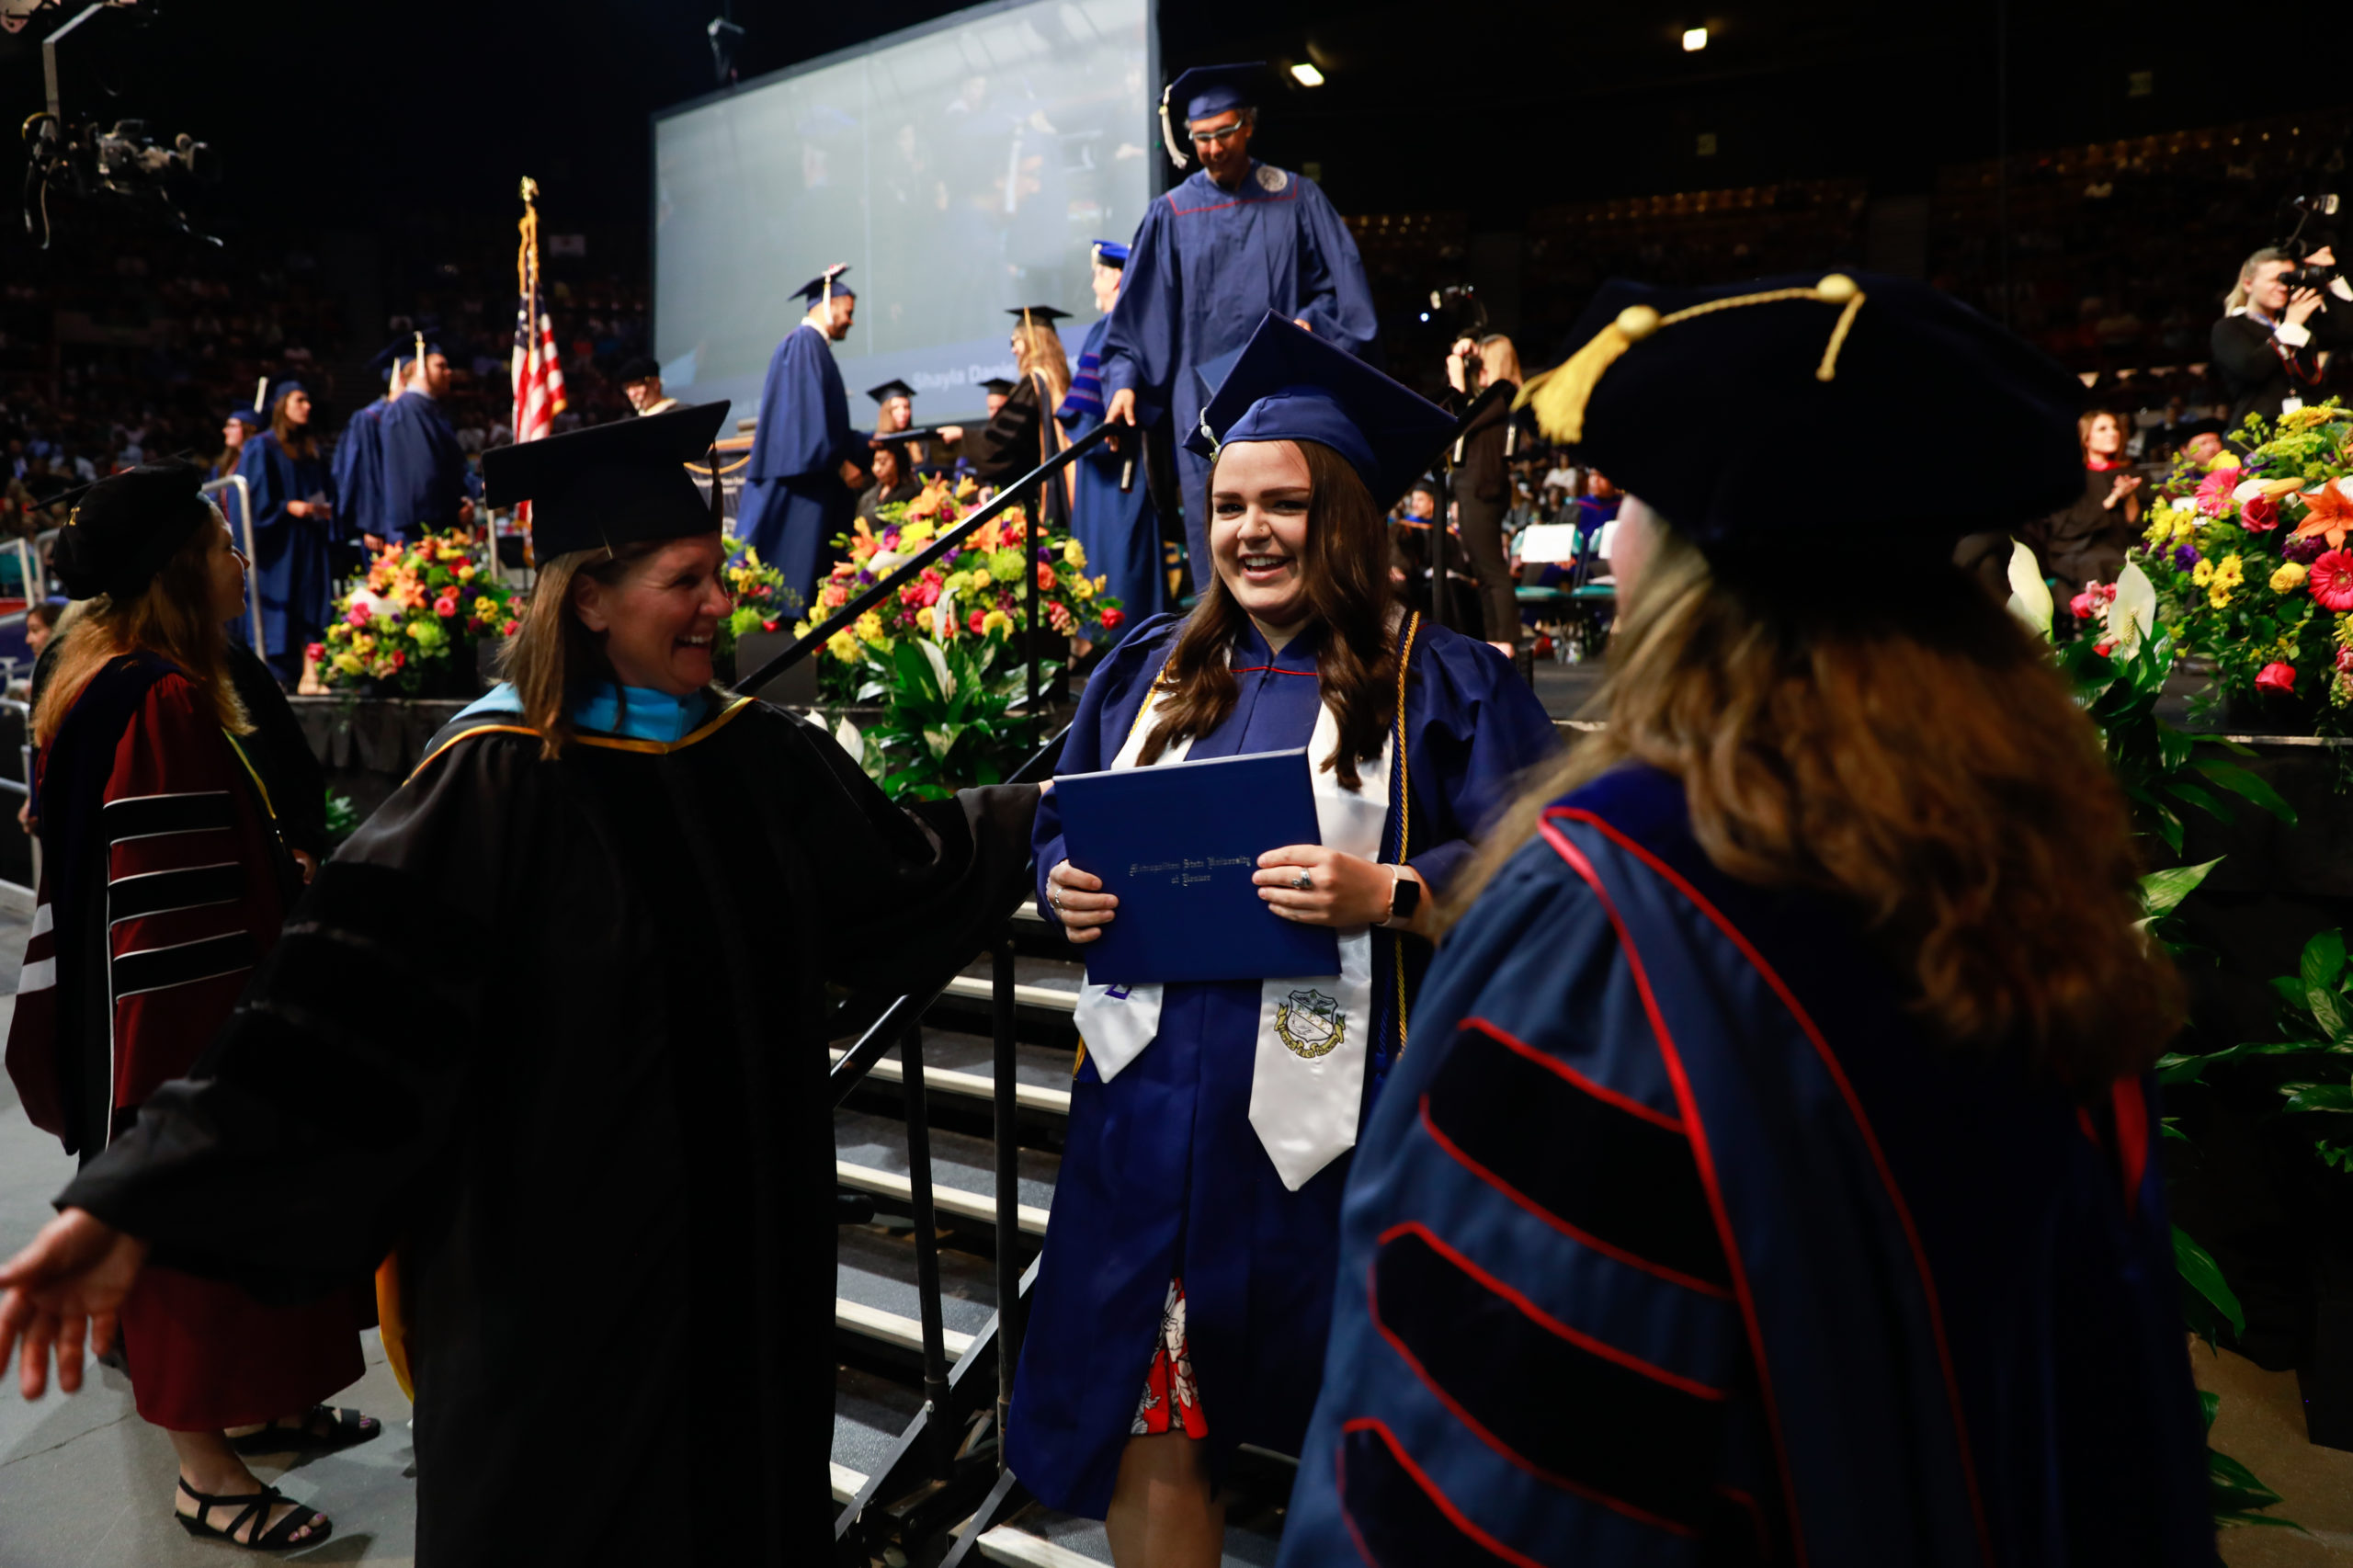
x=1408, y=899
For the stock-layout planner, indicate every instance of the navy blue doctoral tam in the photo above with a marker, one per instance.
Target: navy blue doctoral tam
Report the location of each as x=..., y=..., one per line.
x=1290, y=385
x=1785, y=411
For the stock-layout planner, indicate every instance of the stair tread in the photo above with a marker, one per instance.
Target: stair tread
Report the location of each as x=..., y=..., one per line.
x=869, y=1414
x=958, y=1160
x=1040, y=1538
x=965, y=1065
x=1053, y=974
x=878, y=1270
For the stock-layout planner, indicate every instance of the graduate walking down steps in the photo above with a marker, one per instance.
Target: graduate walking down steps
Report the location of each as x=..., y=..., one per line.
x=593, y=1131
x=1186, y=1284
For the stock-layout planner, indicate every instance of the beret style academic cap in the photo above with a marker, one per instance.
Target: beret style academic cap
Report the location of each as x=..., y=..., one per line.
x=816, y=290
x=1111, y=252
x=1206, y=90
x=1786, y=411
x=608, y=485
x=127, y=525
x=891, y=389
x=1290, y=385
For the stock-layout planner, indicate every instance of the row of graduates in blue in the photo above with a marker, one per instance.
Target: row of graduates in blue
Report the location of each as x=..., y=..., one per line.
x=397, y=474
x=1761, y=1170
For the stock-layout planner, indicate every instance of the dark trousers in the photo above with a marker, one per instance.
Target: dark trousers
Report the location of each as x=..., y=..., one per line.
x=1483, y=541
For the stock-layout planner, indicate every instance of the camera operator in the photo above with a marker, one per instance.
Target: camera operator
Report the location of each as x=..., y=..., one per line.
x=2272, y=344
x=1483, y=477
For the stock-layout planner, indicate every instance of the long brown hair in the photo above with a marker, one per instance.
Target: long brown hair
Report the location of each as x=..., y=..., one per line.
x=553, y=660
x=172, y=619
x=1345, y=569
x=296, y=438
x=1921, y=761
x=1038, y=350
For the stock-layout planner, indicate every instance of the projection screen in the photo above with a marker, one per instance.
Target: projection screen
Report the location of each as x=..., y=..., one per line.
x=960, y=169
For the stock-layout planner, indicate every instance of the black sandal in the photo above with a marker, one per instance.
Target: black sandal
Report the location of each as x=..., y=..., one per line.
x=279, y=1537
x=348, y=1429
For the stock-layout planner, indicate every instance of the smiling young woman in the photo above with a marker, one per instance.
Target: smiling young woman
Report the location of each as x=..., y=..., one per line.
x=1199, y=1208
x=613, y=895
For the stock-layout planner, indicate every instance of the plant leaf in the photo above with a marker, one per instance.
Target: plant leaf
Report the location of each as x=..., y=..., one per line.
x=2322, y=963
x=2317, y=1096
x=2162, y=891
x=941, y=673
x=2134, y=612
x=2029, y=594
x=2200, y=1272
x=850, y=740
x=2247, y=786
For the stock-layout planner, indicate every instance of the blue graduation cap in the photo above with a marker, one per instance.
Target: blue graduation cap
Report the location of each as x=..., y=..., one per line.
x=1290, y=385
x=1203, y=91
x=826, y=283
x=1212, y=372
x=279, y=392
x=609, y=484
x=1110, y=253
x=1865, y=361
x=251, y=418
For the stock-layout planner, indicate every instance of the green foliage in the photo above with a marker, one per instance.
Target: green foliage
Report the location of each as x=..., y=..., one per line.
x=343, y=818
x=2208, y=1303
x=2316, y=1016
x=2231, y=1491
x=948, y=720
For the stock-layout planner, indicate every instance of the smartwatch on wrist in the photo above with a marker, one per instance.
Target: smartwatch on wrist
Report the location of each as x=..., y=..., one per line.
x=1404, y=897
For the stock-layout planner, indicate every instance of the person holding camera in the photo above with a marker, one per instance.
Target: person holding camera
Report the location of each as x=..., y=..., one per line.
x=2271, y=345
x=1482, y=454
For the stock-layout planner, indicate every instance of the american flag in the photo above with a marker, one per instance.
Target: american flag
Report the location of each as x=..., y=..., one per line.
x=539, y=371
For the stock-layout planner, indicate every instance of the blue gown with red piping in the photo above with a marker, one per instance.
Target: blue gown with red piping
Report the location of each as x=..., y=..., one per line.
x=1162, y=1174
x=1676, y=1240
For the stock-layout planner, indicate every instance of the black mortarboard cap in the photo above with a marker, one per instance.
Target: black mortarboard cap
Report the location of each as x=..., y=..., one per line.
x=609, y=485
x=1290, y=385
x=127, y=525
x=1815, y=389
x=815, y=288
x=1046, y=314
x=891, y=389
x=643, y=367
x=999, y=385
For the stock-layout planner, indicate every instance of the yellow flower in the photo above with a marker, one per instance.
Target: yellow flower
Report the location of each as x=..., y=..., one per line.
x=347, y=663
x=1082, y=590
x=2288, y=579
x=1071, y=554
x=869, y=626
x=842, y=646
x=2230, y=573
x=484, y=606
x=2310, y=414
x=2219, y=595
x=465, y=570
x=914, y=530
x=981, y=578
x=2202, y=573
x=2227, y=459
x=997, y=621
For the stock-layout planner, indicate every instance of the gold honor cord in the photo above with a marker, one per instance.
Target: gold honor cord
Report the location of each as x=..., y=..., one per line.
x=1404, y=822
x=1560, y=396
x=705, y=470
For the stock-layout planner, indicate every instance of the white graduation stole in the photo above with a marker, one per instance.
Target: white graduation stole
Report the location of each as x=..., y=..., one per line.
x=1315, y=1032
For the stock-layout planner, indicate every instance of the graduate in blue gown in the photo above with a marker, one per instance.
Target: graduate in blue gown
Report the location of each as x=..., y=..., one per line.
x=1116, y=528
x=293, y=506
x=1772, y=1173
x=807, y=464
x=427, y=486
x=1186, y=1284
x=1237, y=240
x=359, y=465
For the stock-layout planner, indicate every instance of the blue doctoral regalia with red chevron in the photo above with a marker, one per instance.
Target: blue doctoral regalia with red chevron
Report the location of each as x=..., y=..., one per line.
x=1676, y=1240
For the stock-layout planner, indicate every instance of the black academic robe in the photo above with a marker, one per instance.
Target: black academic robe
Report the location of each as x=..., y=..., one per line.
x=552, y=1029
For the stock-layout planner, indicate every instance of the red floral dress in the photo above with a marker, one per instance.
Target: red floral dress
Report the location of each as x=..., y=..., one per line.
x=1171, y=1401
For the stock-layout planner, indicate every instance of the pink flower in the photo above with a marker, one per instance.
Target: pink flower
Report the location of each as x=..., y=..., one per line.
x=767, y=626
x=316, y=651
x=2081, y=605
x=358, y=616
x=2259, y=514
x=2345, y=660
x=1113, y=618
x=2214, y=496
x=445, y=606
x=973, y=624
x=2331, y=581
x=2276, y=678
x=508, y=631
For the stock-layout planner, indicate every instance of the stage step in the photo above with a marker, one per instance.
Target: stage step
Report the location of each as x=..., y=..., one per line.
x=870, y=1155
x=870, y=1412
x=875, y=1297
x=1040, y=1538
x=1047, y=998
x=964, y=1065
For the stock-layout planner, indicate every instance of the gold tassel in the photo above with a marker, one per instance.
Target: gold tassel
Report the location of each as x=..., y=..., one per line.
x=1560, y=395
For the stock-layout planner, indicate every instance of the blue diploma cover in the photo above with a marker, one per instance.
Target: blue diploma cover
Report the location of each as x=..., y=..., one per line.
x=1178, y=843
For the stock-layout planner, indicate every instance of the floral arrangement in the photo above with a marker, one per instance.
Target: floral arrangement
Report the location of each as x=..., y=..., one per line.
x=413, y=625
x=977, y=593
x=2252, y=569
x=763, y=600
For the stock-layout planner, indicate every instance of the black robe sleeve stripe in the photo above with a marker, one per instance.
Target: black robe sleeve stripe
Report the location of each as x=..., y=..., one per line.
x=163, y=893
x=1478, y=1344
x=182, y=963
x=152, y=816
x=1594, y=1164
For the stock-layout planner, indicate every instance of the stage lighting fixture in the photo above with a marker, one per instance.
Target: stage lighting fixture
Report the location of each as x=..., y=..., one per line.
x=1694, y=40
x=1306, y=75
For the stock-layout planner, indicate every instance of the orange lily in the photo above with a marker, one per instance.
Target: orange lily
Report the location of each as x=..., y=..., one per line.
x=2328, y=511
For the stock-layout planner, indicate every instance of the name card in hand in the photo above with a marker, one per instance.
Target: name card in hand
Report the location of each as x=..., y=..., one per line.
x=1179, y=845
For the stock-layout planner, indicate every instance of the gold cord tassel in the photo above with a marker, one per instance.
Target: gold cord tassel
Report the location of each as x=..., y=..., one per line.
x=1559, y=396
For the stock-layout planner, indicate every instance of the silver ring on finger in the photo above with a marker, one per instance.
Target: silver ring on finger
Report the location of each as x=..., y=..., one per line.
x=1304, y=880
x=1055, y=899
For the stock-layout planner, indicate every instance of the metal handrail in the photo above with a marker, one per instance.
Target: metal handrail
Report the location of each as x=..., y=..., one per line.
x=253, y=576
x=906, y=571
